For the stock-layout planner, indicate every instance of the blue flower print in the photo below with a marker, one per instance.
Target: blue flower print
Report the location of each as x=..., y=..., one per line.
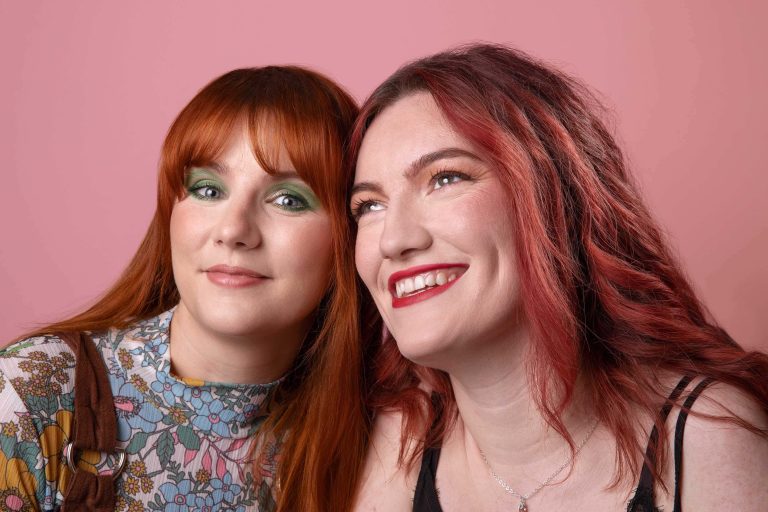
x=224, y=489
x=152, y=350
x=178, y=497
x=207, y=503
x=170, y=388
x=197, y=397
x=214, y=417
x=133, y=411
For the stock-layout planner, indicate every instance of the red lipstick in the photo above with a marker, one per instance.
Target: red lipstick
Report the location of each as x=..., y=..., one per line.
x=400, y=302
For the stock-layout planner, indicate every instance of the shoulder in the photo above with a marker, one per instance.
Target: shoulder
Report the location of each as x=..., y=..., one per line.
x=36, y=403
x=724, y=465
x=35, y=354
x=38, y=374
x=385, y=485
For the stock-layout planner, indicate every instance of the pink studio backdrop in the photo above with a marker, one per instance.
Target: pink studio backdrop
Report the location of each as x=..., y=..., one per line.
x=89, y=89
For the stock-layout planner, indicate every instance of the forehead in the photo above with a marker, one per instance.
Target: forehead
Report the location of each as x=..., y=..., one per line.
x=243, y=148
x=404, y=131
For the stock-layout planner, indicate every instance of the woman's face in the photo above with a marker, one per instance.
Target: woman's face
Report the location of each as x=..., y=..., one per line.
x=251, y=251
x=435, y=240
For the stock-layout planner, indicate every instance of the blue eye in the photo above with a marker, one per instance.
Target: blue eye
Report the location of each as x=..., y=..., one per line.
x=363, y=206
x=442, y=178
x=206, y=190
x=290, y=202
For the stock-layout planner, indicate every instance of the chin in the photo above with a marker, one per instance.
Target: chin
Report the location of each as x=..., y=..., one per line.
x=426, y=350
x=230, y=321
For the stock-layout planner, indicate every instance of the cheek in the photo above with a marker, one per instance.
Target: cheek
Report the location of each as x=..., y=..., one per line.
x=178, y=230
x=367, y=255
x=482, y=221
x=307, y=252
x=488, y=234
x=188, y=231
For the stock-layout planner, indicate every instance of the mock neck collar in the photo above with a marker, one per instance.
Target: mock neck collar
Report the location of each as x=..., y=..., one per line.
x=225, y=409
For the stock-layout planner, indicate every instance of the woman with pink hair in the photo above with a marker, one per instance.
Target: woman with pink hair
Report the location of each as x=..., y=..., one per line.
x=543, y=349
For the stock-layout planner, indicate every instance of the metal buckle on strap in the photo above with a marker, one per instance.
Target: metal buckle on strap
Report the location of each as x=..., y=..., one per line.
x=70, y=455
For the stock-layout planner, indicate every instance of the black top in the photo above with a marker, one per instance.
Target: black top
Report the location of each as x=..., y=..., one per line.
x=425, y=499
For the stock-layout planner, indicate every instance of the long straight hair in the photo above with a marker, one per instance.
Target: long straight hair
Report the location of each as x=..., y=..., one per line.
x=605, y=298
x=310, y=116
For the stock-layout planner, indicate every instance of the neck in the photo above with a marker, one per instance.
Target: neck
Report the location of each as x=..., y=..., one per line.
x=198, y=353
x=498, y=414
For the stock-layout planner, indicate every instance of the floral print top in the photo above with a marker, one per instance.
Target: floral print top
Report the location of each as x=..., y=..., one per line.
x=189, y=444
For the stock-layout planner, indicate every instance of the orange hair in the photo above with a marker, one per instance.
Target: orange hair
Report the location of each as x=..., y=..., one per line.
x=310, y=116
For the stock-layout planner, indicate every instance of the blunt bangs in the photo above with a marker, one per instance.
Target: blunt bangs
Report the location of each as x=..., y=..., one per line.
x=283, y=109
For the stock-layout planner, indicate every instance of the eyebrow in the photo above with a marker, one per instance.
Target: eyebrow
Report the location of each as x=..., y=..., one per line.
x=441, y=154
x=417, y=166
x=366, y=186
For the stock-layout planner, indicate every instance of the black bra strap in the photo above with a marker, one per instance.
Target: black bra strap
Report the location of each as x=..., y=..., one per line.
x=425, y=499
x=645, y=484
x=679, y=430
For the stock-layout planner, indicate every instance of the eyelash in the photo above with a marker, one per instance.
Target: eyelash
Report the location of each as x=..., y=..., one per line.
x=446, y=173
x=195, y=189
x=359, y=207
x=304, y=204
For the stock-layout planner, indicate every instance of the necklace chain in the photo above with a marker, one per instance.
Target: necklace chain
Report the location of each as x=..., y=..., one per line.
x=523, y=507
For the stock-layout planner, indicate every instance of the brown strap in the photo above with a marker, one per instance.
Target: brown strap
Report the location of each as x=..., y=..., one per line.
x=87, y=491
x=95, y=426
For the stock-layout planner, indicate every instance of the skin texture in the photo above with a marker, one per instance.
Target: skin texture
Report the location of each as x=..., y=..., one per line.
x=237, y=214
x=475, y=331
x=447, y=212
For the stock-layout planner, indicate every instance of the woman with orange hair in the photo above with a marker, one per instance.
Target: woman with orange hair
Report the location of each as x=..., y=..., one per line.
x=214, y=339
x=546, y=350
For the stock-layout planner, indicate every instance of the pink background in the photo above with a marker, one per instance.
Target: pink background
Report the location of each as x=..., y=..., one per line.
x=89, y=89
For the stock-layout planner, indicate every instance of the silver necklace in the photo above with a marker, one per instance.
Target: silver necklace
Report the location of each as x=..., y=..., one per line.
x=523, y=506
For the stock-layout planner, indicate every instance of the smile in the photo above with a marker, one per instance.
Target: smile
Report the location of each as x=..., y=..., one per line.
x=424, y=282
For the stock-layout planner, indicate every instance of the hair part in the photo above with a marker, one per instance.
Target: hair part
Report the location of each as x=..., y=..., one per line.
x=607, y=304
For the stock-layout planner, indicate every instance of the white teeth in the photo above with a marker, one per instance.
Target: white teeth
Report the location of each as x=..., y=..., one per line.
x=409, y=285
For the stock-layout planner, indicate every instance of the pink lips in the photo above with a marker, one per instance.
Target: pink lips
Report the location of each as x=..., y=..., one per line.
x=400, y=302
x=233, y=277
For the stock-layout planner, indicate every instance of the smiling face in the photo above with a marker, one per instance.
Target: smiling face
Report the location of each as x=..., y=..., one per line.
x=435, y=238
x=251, y=251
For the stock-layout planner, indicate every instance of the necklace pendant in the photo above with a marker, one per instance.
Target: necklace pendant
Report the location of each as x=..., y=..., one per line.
x=523, y=507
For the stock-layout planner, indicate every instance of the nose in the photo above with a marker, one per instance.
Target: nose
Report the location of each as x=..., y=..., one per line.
x=404, y=232
x=238, y=227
